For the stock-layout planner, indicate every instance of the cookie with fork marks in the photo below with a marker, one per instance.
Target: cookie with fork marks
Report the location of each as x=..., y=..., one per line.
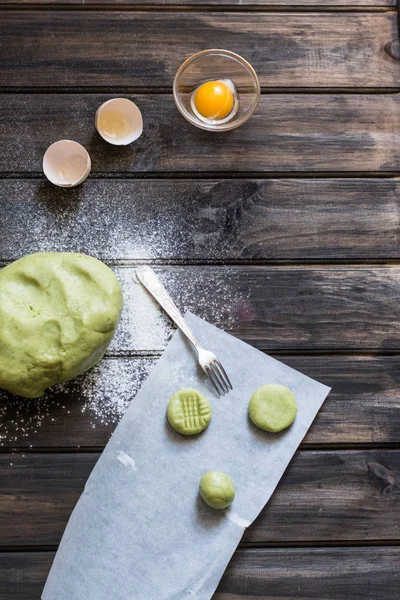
x=189, y=412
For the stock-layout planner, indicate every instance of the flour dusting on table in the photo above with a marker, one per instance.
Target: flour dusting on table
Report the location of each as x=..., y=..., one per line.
x=211, y=293
x=103, y=394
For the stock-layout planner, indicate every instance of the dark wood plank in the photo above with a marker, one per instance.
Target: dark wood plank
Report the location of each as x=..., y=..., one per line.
x=360, y=409
x=232, y=220
x=336, y=496
x=255, y=574
x=312, y=574
x=44, y=48
x=296, y=4
x=288, y=132
x=331, y=496
x=81, y=413
x=273, y=308
x=23, y=574
x=331, y=308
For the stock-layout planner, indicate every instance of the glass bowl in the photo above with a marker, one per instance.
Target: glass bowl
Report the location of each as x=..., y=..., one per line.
x=216, y=64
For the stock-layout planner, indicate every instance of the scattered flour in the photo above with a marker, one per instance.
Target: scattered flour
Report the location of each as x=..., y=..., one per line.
x=185, y=221
x=99, y=397
x=21, y=418
x=211, y=293
x=103, y=394
x=111, y=220
x=110, y=387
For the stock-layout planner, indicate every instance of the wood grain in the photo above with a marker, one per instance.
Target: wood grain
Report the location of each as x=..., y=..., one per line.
x=44, y=48
x=295, y=4
x=23, y=574
x=273, y=308
x=256, y=574
x=311, y=574
x=362, y=407
x=332, y=496
x=232, y=220
x=288, y=132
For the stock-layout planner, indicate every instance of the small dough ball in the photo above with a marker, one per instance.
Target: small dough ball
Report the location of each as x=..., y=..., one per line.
x=217, y=489
x=272, y=407
x=189, y=412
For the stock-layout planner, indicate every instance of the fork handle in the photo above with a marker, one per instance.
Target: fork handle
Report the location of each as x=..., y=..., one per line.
x=150, y=281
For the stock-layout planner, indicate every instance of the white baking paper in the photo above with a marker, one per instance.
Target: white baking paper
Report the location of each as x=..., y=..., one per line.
x=140, y=531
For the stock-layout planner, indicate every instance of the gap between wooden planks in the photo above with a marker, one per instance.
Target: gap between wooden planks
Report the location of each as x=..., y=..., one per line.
x=220, y=5
x=55, y=5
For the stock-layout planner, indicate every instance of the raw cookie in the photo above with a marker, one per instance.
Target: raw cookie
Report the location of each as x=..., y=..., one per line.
x=189, y=412
x=272, y=407
x=217, y=489
x=58, y=314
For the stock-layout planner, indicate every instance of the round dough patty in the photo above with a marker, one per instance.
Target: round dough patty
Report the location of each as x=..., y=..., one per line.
x=272, y=407
x=189, y=412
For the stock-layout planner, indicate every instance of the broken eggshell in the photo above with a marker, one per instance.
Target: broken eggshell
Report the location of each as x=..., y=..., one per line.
x=66, y=163
x=119, y=121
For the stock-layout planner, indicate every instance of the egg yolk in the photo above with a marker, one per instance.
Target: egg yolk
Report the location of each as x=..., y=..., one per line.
x=214, y=100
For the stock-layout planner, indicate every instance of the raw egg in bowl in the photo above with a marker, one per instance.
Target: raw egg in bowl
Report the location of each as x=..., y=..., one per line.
x=216, y=90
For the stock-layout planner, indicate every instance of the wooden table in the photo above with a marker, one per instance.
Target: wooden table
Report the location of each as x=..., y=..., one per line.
x=285, y=232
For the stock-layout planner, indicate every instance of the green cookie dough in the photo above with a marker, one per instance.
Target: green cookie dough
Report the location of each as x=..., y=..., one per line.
x=272, y=407
x=217, y=489
x=58, y=314
x=189, y=412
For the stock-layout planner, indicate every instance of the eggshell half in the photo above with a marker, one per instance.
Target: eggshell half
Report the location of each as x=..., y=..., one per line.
x=66, y=163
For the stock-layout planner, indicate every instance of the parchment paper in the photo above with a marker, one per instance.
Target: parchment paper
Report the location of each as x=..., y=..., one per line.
x=140, y=530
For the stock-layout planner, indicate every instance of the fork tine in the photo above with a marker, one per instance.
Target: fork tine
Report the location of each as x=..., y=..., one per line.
x=220, y=376
x=211, y=376
x=225, y=375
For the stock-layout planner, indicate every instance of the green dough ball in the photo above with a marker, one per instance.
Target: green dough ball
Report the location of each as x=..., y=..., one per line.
x=58, y=314
x=189, y=412
x=272, y=407
x=217, y=489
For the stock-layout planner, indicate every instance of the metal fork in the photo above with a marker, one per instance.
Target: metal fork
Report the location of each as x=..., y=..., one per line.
x=207, y=360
